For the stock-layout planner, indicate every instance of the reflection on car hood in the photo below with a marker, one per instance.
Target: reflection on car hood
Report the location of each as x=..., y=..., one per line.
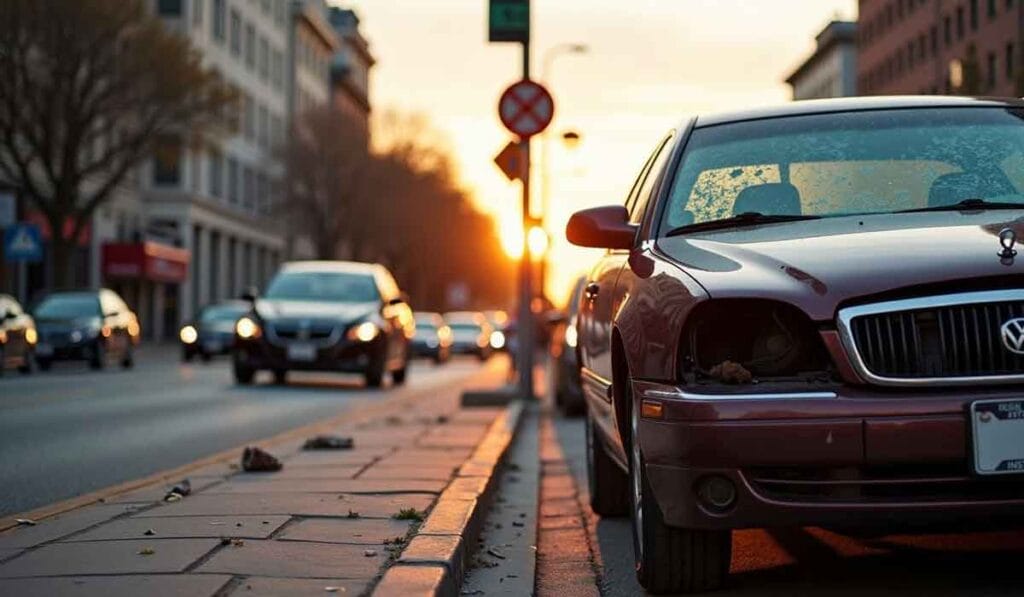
x=58, y=324
x=820, y=264
x=344, y=312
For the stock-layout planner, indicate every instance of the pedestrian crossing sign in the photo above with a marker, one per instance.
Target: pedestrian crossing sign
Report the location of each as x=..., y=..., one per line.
x=22, y=242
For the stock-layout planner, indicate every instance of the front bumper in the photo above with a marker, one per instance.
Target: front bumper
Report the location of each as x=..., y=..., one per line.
x=343, y=357
x=852, y=457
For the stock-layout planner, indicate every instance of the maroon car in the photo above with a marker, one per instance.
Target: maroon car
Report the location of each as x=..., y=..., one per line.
x=809, y=315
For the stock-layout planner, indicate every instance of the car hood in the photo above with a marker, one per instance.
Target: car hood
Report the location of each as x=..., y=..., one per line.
x=65, y=324
x=817, y=265
x=343, y=312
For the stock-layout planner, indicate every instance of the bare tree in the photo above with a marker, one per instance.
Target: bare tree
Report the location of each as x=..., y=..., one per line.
x=88, y=89
x=327, y=165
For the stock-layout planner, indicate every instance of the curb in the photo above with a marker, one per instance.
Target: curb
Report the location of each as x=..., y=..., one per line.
x=435, y=560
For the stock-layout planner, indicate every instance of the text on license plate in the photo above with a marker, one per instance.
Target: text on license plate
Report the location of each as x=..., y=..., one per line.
x=998, y=431
x=301, y=352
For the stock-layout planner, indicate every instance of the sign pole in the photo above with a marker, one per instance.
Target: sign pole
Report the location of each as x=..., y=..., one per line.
x=526, y=325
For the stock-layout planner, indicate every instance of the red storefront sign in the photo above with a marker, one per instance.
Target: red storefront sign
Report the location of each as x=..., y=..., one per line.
x=145, y=260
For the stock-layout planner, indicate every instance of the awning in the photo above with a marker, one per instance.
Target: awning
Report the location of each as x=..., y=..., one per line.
x=146, y=260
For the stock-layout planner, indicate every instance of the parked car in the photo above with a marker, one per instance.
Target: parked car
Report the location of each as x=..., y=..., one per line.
x=17, y=336
x=471, y=334
x=565, y=364
x=91, y=325
x=213, y=332
x=498, y=320
x=433, y=339
x=326, y=316
x=808, y=315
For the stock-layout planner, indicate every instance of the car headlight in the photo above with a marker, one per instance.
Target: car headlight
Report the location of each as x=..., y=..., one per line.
x=497, y=339
x=31, y=335
x=737, y=341
x=571, y=335
x=3, y=337
x=431, y=342
x=364, y=332
x=188, y=334
x=246, y=328
x=75, y=336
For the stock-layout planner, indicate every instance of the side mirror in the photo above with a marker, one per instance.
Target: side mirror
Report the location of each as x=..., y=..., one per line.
x=602, y=228
x=398, y=300
x=250, y=294
x=9, y=315
x=109, y=314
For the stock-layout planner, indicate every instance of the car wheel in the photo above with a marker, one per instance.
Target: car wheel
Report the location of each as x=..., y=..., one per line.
x=375, y=370
x=670, y=559
x=205, y=356
x=26, y=365
x=398, y=375
x=128, y=360
x=186, y=356
x=243, y=373
x=97, y=356
x=280, y=376
x=606, y=480
x=43, y=364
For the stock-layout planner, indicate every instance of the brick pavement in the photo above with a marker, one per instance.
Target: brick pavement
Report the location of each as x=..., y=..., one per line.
x=324, y=524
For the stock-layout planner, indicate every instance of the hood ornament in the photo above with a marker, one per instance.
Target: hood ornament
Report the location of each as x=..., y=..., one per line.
x=1007, y=239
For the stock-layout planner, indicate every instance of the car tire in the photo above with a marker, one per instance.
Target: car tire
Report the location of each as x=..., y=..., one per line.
x=205, y=356
x=670, y=559
x=375, y=370
x=608, y=483
x=186, y=356
x=280, y=376
x=243, y=374
x=44, y=364
x=26, y=366
x=398, y=375
x=128, y=360
x=98, y=357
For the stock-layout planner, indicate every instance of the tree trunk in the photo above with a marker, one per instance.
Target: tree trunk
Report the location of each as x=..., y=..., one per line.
x=62, y=262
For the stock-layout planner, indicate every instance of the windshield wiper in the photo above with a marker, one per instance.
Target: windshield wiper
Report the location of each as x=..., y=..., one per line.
x=965, y=205
x=748, y=218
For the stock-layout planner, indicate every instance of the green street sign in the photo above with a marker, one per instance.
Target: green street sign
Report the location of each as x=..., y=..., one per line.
x=509, y=20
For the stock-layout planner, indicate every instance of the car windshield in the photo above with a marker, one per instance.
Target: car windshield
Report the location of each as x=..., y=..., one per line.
x=68, y=306
x=323, y=286
x=222, y=313
x=848, y=163
x=465, y=327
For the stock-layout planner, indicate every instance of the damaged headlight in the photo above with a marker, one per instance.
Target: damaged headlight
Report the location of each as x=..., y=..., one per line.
x=748, y=340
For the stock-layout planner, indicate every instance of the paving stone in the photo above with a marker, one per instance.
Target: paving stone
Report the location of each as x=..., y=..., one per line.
x=469, y=439
x=105, y=586
x=59, y=526
x=313, y=587
x=172, y=527
x=403, y=581
x=156, y=492
x=434, y=457
x=368, y=531
x=333, y=471
x=435, y=473
x=320, y=458
x=449, y=517
x=220, y=469
x=6, y=553
x=298, y=504
x=296, y=559
x=108, y=557
x=475, y=415
x=359, y=486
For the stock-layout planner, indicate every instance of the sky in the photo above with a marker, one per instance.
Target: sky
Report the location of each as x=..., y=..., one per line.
x=648, y=64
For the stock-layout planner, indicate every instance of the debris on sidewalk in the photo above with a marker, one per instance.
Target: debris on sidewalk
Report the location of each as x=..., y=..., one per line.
x=147, y=551
x=179, y=491
x=25, y=522
x=409, y=514
x=370, y=553
x=149, y=532
x=257, y=460
x=352, y=514
x=329, y=442
x=494, y=551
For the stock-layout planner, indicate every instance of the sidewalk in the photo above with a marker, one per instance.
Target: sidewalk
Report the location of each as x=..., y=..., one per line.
x=330, y=522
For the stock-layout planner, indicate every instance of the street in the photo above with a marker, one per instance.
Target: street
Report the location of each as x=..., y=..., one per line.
x=71, y=430
x=793, y=561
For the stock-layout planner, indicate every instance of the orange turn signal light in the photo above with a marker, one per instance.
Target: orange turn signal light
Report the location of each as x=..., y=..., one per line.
x=651, y=409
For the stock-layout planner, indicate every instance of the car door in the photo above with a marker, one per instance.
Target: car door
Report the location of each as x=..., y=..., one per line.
x=393, y=314
x=113, y=328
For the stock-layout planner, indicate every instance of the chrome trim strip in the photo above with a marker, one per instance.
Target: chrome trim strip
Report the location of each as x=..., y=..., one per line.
x=679, y=394
x=602, y=385
x=846, y=316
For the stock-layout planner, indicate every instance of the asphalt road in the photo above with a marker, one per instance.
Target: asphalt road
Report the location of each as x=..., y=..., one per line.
x=814, y=561
x=70, y=431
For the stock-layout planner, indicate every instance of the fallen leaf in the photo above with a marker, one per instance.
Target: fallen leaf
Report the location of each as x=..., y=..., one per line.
x=28, y=522
x=147, y=551
x=370, y=553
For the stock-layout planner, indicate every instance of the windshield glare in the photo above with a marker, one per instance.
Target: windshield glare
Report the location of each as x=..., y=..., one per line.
x=68, y=307
x=849, y=163
x=222, y=313
x=323, y=286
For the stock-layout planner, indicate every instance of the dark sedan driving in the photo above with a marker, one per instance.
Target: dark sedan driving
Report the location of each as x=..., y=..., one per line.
x=95, y=326
x=326, y=316
x=213, y=332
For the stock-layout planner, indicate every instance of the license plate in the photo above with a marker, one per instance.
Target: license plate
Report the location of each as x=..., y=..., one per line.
x=212, y=346
x=44, y=350
x=998, y=427
x=301, y=352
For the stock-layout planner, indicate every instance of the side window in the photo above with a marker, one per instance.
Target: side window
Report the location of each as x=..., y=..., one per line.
x=635, y=189
x=657, y=163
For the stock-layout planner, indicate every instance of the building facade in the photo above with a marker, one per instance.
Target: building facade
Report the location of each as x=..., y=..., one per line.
x=831, y=71
x=968, y=47
x=350, y=67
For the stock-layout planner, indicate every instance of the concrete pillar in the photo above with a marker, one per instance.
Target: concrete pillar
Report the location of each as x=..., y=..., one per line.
x=224, y=288
x=202, y=262
x=185, y=288
x=254, y=266
x=159, y=333
x=144, y=308
x=239, y=267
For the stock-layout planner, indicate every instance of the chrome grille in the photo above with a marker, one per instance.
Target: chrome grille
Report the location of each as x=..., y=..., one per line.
x=945, y=339
x=288, y=330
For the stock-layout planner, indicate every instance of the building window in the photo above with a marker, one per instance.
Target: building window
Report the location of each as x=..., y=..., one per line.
x=265, y=5
x=233, y=181
x=216, y=174
x=197, y=13
x=991, y=9
x=974, y=15
x=217, y=8
x=959, y=23
x=169, y=8
x=277, y=69
x=1008, y=61
x=991, y=73
x=910, y=55
x=249, y=119
x=250, y=46
x=947, y=30
x=264, y=59
x=167, y=162
x=248, y=184
x=933, y=40
x=236, y=33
